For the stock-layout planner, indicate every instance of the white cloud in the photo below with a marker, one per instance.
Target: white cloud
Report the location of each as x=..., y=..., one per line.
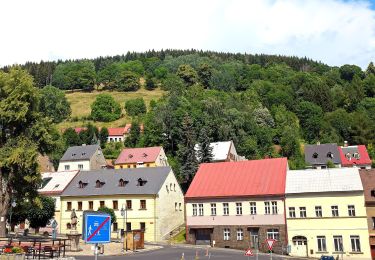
x=332, y=31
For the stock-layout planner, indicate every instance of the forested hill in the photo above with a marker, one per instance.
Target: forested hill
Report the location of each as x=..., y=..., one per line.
x=270, y=106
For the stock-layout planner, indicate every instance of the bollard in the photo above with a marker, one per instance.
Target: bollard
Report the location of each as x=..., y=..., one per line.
x=183, y=256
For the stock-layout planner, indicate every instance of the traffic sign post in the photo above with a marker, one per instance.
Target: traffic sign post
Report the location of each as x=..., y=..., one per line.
x=270, y=243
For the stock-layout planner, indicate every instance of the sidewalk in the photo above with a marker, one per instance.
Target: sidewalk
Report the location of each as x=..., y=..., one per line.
x=111, y=249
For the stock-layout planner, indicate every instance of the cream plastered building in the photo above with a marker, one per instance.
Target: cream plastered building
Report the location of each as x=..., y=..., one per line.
x=152, y=198
x=325, y=214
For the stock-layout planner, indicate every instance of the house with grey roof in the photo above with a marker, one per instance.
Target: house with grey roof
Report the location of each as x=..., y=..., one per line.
x=84, y=158
x=318, y=156
x=150, y=196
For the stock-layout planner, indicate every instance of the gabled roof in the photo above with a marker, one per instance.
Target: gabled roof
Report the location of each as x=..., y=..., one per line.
x=56, y=182
x=325, y=180
x=244, y=178
x=320, y=154
x=354, y=155
x=134, y=155
x=78, y=153
x=110, y=178
x=368, y=183
x=116, y=131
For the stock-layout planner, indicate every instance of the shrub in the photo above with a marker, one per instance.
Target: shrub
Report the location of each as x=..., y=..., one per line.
x=135, y=107
x=105, y=109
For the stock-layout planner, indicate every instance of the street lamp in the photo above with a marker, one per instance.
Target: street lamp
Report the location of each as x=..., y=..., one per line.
x=14, y=204
x=124, y=214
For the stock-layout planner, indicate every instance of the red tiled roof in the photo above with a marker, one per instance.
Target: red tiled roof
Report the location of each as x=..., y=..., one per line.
x=116, y=131
x=79, y=129
x=361, y=149
x=134, y=155
x=244, y=178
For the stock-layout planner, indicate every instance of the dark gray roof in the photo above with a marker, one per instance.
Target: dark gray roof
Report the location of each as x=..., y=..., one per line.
x=77, y=153
x=322, y=151
x=155, y=177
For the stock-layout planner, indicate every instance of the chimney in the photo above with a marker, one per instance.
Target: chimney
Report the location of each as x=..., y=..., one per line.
x=345, y=143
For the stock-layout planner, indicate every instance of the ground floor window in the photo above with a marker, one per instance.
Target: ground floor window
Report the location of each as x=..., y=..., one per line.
x=226, y=234
x=240, y=234
x=337, y=241
x=273, y=233
x=115, y=227
x=322, y=244
x=356, y=244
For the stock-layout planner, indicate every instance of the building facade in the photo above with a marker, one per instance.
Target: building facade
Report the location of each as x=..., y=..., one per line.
x=152, y=198
x=325, y=214
x=141, y=157
x=118, y=134
x=83, y=158
x=237, y=204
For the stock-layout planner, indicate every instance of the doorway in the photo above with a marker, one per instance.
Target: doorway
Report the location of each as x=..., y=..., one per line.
x=299, y=246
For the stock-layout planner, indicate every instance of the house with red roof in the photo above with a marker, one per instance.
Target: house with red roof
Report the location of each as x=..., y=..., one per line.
x=141, y=157
x=118, y=134
x=355, y=156
x=237, y=204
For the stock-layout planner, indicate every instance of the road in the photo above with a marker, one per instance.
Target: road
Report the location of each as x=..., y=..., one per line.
x=175, y=253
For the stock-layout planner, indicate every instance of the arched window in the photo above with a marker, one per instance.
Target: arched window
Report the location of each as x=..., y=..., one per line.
x=330, y=155
x=99, y=184
x=315, y=156
x=122, y=183
x=141, y=182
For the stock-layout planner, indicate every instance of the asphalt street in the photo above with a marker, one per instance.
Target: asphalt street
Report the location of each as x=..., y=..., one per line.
x=175, y=253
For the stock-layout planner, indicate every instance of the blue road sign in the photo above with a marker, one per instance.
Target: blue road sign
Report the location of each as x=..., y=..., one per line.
x=97, y=228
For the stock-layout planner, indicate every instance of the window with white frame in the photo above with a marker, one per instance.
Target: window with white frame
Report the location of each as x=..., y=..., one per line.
x=225, y=209
x=240, y=234
x=322, y=247
x=213, y=209
x=200, y=209
x=80, y=166
x=253, y=208
x=195, y=212
x=351, y=210
x=267, y=209
x=335, y=211
x=302, y=212
x=337, y=242
x=274, y=207
x=239, y=208
x=356, y=244
x=67, y=167
x=318, y=211
x=226, y=234
x=273, y=233
x=292, y=212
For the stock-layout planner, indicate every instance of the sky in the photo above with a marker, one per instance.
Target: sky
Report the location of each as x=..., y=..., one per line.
x=335, y=32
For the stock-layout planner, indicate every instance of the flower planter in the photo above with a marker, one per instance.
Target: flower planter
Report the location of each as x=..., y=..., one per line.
x=12, y=257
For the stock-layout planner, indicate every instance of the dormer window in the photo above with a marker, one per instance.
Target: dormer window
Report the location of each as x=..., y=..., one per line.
x=141, y=182
x=330, y=155
x=348, y=156
x=122, y=183
x=315, y=156
x=83, y=154
x=357, y=156
x=73, y=154
x=99, y=184
x=81, y=184
x=144, y=155
x=130, y=156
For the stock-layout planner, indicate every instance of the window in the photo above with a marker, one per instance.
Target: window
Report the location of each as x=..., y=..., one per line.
x=373, y=222
x=253, y=208
x=68, y=205
x=357, y=156
x=91, y=205
x=302, y=212
x=174, y=187
x=351, y=210
x=274, y=207
x=239, y=208
x=315, y=155
x=267, y=209
x=81, y=184
x=142, y=225
x=141, y=182
x=175, y=206
x=143, y=204
x=67, y=167
x=240, y=234
x=80, y=166
x=321, y=243
x=213, y=209
x=115, y=204
x=122, y=183
x=128, y=226
x=337, y=241
x=68, y=226
x=330, y=155
x=102, y=203
x=292, y=212
x=99, y=184
x=128, y=204
x=273, y=233
x=179, y=206
x=372, y=193
x=115, y=227
x=356, y=245
x=195, y=212
x=335, y=211
x=200, y=209
x=225, y=209
x=226, y=234
x=318, y=211
x=79, y=205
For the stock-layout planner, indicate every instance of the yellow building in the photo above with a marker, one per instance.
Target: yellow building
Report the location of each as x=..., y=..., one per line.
x=326, y=215
x=152, y=198
x=141, y=157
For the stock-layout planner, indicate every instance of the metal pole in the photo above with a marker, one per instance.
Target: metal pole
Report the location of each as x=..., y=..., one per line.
x=126, y=232
x=96, y=251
